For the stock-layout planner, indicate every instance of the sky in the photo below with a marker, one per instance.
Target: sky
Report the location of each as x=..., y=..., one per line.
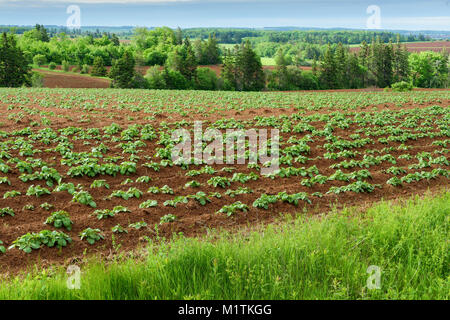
x=392, y=14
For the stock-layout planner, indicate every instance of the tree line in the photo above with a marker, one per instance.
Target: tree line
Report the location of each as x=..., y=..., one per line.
x=236, y=36
x=177, y=62
x=381, y=65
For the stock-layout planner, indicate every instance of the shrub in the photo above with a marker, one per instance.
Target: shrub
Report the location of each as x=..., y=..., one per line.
x=155, y=78
x=139, y=82
x=65, y=66
x=402, y=86
x=205, y=79
x=84, y=69
x=37, y=80
x=28, y=57
x=52, y=66
x=153, y=58
x=175, y=80
x=39, y=60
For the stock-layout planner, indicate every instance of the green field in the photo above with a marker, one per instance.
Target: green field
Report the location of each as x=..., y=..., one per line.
x=268, y=61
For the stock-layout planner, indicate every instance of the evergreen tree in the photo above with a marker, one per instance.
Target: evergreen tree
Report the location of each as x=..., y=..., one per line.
x=115, y=40
x=340, y=58
x=40, y=33
x=401, y=70
x=250, y=72
x=199, y=50
x=386, y=73
x=183, y=60
x=207, y=52
x=314, y=67
x=98, y=68
x=179, y=36
x=190, y=61
x=212, y=50
x=229, y=69
x=355, y=73
x=328, y=70
x=122, y=71
x=364, y=56
x=14, y=69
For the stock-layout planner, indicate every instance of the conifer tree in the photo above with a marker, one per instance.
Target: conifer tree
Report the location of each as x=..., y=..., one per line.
x=115, y=40
x=212, y=50
x=386, y=72
x=14, y=69
x=179, y=36
x=328, y=70
x=364, y=55
x=242, y=69
x=250, y=72
x=229, y=70
x=190, y=61
x=98, y=68
x=122, y=71
x=340, y=58
x=401, y=70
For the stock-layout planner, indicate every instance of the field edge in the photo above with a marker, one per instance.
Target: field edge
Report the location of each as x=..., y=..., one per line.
x=323, y=257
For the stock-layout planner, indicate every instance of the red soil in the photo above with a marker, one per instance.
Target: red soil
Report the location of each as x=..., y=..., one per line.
x=67, y=80
x=436, y=46
x=193, y=219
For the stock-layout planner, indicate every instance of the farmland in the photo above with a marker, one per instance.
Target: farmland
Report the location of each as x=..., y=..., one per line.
x=70, y=80
x=436, y=46
x=89, y=171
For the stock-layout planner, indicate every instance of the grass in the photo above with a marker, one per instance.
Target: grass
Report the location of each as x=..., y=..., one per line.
x=302, y=258
x=268, y=61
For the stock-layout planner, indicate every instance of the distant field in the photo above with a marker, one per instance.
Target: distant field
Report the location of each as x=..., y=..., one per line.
x=268, y=61
x=436, y=46
x=57, y=79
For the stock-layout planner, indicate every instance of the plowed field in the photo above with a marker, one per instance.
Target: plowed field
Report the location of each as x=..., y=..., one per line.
x=102, y=159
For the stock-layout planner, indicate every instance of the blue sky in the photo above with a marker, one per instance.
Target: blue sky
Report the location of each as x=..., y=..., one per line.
x=395, y=14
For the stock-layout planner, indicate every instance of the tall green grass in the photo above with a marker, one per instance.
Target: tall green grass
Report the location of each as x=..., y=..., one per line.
x=303, y=258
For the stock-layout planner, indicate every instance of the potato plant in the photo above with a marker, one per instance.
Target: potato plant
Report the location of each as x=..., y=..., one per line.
x=91, y=235
x=60, y=219
x=34, y=241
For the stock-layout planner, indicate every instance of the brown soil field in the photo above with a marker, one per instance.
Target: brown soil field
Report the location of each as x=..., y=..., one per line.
x=192, y=218
x=68, y=80
x=436, y=46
